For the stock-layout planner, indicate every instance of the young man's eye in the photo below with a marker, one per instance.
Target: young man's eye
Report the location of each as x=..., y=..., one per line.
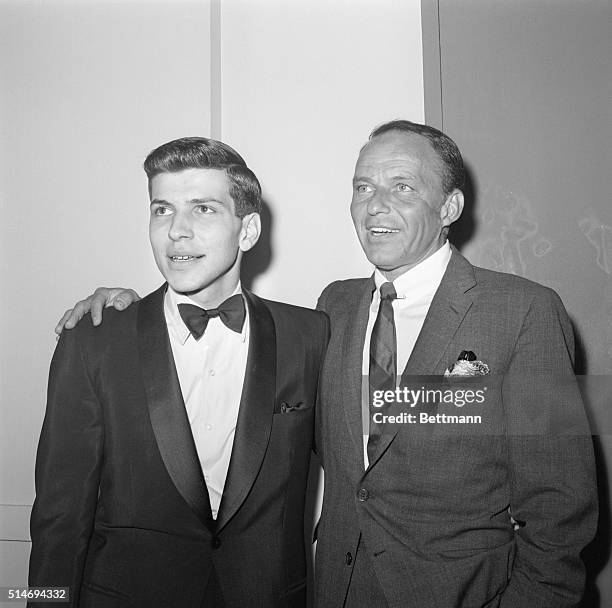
x=160, y=210
x=204, y=209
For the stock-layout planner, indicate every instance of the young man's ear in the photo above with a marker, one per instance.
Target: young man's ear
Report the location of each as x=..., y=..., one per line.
x=251, y=229
x=452, y=208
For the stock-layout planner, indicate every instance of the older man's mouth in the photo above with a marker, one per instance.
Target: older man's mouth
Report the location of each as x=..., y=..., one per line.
x=382, y=230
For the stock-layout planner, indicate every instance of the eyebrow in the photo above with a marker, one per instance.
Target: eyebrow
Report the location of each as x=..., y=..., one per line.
x=193, y=201
x=206, y=200
x=405, y=176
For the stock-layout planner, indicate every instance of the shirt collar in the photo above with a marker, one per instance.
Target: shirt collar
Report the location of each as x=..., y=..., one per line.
x=423, y=277
x=177, y=327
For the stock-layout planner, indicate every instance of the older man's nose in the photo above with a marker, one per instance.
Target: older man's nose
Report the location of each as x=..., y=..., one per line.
x=378, y=204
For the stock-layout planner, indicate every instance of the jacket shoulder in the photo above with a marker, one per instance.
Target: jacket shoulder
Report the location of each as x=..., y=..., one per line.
x=299, y=325
x=298, y=315
x=515, y=287
x=116, y=324
x=113, y=322
x=505, y=280
x=341, y=292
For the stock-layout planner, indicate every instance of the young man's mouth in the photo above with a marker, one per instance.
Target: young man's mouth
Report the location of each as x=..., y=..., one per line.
x=184, y=258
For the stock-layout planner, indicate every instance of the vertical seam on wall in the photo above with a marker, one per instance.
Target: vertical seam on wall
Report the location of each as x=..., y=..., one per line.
x=216, y=117
x=432, y=62
x=440, y=65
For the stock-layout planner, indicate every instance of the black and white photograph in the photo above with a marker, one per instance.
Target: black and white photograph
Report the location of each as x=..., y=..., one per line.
x=306, y=304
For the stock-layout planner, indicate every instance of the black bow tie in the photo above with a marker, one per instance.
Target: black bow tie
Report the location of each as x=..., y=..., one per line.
x=231, y=312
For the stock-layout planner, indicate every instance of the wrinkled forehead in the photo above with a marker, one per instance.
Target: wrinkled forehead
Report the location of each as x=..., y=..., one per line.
x=396, y=151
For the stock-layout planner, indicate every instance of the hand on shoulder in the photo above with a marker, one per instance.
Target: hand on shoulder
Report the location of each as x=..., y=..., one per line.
x=117, y=297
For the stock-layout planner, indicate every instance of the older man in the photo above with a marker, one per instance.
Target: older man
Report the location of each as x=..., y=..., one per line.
x=426, y=514
x=416, y=516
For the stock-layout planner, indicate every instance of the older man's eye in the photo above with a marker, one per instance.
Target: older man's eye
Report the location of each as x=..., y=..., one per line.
x=362, y=188
x=404, y=188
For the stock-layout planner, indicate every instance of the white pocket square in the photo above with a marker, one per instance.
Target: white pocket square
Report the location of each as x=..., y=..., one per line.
x=467, y=365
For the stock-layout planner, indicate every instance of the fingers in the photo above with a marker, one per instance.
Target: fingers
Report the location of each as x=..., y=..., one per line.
x=123, y=298
x=103, y=296
x=72, y=316
x=114, y=296
x=100, y=298
x=62, y=322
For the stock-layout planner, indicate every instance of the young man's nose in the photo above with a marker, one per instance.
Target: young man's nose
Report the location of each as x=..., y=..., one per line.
x=180, y=228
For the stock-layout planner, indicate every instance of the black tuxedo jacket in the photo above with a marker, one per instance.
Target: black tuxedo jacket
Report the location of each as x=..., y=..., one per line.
x=122, y=514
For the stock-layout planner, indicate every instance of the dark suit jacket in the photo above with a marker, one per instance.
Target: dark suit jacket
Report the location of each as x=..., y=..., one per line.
x=435, y=519
x=122, y=514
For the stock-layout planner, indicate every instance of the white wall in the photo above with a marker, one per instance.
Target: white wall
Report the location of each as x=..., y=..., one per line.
x=303, y=83
x=86, y=90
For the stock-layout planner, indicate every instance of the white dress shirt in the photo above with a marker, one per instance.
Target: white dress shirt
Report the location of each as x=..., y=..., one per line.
x=415, y=291
x=211, y=374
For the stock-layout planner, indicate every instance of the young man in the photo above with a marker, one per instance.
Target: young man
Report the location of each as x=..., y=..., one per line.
x=173, y=459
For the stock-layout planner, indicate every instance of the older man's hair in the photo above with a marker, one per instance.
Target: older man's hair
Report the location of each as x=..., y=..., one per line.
x=204, y=153
x=453, y=171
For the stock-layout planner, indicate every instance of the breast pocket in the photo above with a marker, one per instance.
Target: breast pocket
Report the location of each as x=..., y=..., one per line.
x=292, y=434
x=293, y=423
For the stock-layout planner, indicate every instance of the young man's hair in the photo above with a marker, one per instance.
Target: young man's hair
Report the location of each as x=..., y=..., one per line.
x=204, y=153
x=453, y=172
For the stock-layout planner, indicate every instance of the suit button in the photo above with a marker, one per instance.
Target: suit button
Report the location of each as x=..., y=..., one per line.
x=348, y=559
x=363, y=495
x=216, y=542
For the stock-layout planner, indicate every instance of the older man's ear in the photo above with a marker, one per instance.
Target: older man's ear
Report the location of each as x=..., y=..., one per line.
x=452, y=207
x=117, y=297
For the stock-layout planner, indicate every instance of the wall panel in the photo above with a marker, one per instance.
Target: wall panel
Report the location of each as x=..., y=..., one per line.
x=86, y=90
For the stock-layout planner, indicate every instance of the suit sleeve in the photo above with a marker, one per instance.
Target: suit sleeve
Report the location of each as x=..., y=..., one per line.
x=550, y=462
x=317, y=442
x=67, y=473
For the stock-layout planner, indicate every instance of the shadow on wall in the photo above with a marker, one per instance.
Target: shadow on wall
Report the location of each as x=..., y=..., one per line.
x=257, y=261
x=464, y=228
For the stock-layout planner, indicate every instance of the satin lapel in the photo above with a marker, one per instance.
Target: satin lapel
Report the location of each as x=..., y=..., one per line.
x=256, y=410
x=355, y=386
x=447, y=311
x=166, y=407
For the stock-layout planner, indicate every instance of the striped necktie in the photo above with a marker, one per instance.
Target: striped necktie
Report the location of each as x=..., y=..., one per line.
x=383, y=358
